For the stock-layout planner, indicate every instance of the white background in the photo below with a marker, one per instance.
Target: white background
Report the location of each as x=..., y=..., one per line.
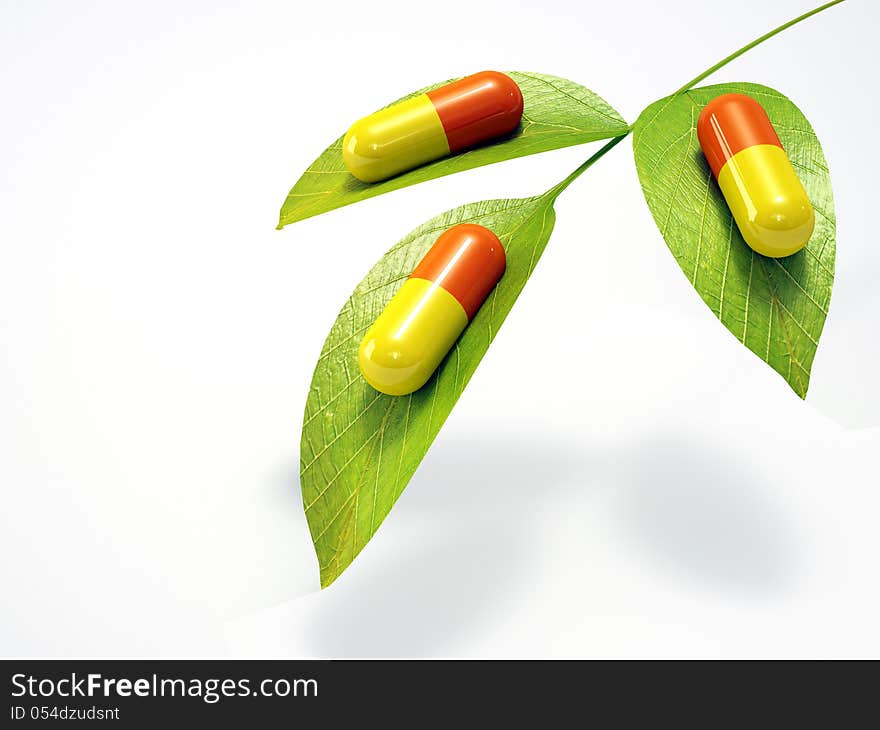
x=621, y=478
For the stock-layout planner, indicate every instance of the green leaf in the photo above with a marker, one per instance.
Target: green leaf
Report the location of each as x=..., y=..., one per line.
x=557, y=113
x=775, y=307
x=360, y=447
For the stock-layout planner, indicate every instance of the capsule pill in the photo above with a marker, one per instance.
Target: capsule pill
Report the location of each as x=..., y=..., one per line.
x=421, y=323
x=762, y=189
x=429, y=126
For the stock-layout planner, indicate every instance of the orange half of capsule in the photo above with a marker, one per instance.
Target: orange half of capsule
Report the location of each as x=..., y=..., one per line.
x=420, y=324
x=438, y=123
x=764, y=194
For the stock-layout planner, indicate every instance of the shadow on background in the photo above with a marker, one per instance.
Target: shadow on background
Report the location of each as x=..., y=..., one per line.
x=471, y=515
x=706, y=516
x=468, y=510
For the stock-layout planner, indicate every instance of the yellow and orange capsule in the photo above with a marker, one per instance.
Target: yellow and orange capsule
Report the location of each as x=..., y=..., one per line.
x=420, y=324
x=429, y=126
x=768, y=201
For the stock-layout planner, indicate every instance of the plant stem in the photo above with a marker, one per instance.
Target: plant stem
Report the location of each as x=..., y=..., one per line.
x=601, y=152
x=750, y=46
x=559, y=187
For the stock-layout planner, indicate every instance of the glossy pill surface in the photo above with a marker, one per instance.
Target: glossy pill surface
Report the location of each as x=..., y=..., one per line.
x=764, y=193
x=420, y=324
x=432, y=125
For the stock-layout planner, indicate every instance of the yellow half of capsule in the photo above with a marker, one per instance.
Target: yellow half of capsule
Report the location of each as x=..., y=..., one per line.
x=768, y=201
x=403, y=136
x=411, y=337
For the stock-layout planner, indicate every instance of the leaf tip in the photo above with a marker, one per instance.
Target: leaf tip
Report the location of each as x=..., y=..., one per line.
x=799, y=387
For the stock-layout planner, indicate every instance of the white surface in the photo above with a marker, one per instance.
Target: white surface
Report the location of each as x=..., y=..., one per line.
x=621, y=478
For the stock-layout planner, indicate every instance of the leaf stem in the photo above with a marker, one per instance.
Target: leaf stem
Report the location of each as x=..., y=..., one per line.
x=750, y=46
x=583, y=167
